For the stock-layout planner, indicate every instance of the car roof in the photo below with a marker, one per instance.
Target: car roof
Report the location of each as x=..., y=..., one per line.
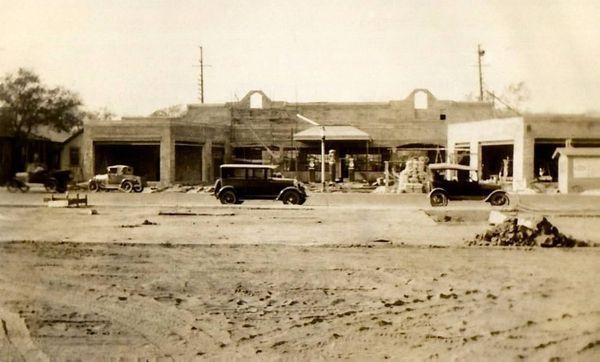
x=450, y=166
x=241, y=165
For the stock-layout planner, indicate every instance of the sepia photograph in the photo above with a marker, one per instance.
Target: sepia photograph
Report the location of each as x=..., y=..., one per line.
x=299, y=180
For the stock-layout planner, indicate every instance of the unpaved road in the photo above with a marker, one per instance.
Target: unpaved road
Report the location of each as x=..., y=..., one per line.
x=182, y=302
x=298, y=283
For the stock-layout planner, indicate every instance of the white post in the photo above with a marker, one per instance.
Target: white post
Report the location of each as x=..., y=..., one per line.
x=387, y=174
x=323, y=159
x=322, y=147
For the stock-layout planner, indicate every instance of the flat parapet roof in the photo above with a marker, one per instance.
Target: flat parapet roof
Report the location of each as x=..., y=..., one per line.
x=244, y=165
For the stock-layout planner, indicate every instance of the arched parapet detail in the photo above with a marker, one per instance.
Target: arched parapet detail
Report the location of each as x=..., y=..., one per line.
x=421, y=98
x=255, y=99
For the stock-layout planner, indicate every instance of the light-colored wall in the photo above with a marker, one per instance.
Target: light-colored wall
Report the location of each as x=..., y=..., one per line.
x=65, y=157
x=499, y=130
x=571, y=180
x=522, y=133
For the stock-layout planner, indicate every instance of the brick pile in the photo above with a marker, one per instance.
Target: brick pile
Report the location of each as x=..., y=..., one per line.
x=510, y=233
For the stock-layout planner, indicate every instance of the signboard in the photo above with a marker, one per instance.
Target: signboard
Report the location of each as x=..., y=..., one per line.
x=586, y=167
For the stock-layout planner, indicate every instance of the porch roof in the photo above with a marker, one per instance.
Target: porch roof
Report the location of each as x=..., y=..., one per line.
x=332, y=133
x=574, y=151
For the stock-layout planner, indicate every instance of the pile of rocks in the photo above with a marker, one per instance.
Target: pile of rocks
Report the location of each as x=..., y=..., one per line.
x=511, y=232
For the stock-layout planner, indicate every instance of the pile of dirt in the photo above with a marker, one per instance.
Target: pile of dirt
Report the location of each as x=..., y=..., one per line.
x=511, y=233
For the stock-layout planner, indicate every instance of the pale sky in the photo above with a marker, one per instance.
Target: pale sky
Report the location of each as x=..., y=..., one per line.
x=134, y=57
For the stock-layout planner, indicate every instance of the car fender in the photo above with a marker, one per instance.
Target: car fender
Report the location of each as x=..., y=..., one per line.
x=225, y=188
x=495, y=192
x=438, y=189
x=289, y=188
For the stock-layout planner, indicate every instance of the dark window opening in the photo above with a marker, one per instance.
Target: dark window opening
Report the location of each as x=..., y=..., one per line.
x=442, y=117
x=496, y=161
x=545, y=167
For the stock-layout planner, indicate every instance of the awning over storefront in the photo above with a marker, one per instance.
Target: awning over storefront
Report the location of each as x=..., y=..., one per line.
x=332, y=133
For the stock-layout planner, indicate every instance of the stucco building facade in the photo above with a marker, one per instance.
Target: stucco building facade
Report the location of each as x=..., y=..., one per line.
x=527, y=143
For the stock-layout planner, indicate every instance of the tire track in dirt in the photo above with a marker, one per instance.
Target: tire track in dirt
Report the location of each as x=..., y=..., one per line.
x=165, y=331
x=15, y=333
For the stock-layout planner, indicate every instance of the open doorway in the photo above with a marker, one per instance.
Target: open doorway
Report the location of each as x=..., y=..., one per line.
x=545, y=167
x=144, y=158
x=496, y=161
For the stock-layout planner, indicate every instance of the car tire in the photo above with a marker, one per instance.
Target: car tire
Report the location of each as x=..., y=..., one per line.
x=12, y=186
x=291, y=197
x=499, y=199
x=126, y=186
x=50, y=186
x=93, y=186
x=138, y=188
x=228, y=197
x=438, y=198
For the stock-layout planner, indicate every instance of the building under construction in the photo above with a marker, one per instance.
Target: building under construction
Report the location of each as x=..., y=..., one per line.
x=256, y=129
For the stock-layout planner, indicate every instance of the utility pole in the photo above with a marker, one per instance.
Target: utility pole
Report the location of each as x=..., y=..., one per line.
x=201, y=80
x=202, y=76
x=480, y=54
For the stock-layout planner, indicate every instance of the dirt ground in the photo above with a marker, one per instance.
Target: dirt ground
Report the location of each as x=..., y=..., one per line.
x=266, y=282
x=71, y=301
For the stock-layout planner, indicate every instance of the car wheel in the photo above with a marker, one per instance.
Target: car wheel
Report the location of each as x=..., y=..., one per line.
x=12, y=186
x=291, y=197
x=138, y=188
x=499, y=199
x=50, y=186
x=438, y=198
x=228, y=197
x=93, y=186
x=126, y=186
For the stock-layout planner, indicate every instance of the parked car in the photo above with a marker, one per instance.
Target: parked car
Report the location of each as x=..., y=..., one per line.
x=117, y=177
x=53, y=181
x=460, y=182
x=242, y=182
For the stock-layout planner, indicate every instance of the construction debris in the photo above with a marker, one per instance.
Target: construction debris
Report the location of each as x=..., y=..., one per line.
x=66, y=201
x=414, y=176
x=511, y=232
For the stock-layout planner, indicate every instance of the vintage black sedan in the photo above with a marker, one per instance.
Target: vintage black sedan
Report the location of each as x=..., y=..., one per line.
x=460, y=182
x=240, y=182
